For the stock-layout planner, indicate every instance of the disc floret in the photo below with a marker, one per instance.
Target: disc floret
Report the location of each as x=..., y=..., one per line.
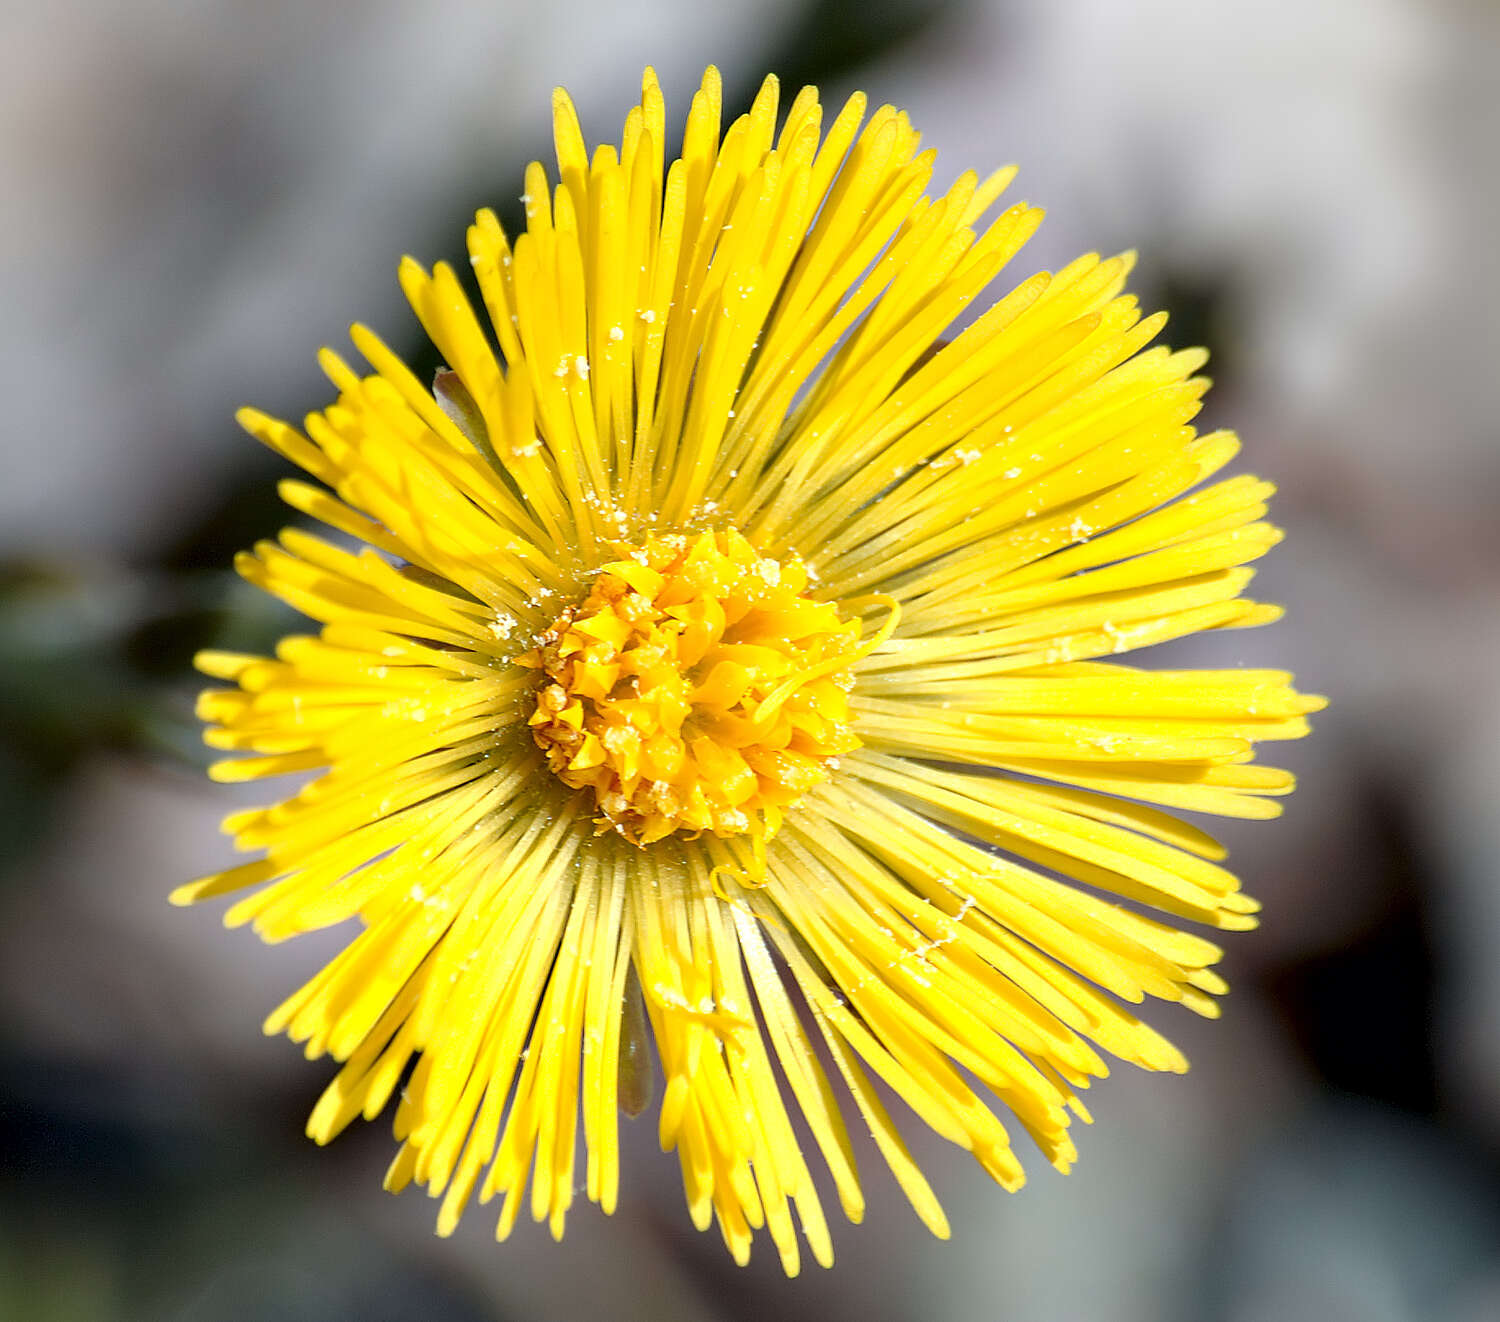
x=697, y=687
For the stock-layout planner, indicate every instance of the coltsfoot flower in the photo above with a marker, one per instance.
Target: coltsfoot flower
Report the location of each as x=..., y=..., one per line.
x=731, y=661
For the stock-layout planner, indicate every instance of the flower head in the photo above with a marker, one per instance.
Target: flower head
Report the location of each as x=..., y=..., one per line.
x=729, y=659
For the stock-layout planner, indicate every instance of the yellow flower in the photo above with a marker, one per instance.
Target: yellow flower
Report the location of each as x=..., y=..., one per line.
x=730, y=654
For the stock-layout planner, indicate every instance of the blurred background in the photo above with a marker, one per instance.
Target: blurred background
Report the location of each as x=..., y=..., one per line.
x=198, y=193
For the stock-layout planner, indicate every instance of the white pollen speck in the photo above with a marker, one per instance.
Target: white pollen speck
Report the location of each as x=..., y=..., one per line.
x=561, y=370
x=1011, y=473
x=505, y=261
x=526, y=199
x=475, y=258
x=1078, y=530
x=581, y=366
x=616, y=333
x=648, y=315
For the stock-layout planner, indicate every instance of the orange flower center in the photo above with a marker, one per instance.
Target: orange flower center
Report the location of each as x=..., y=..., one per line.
x=696, y=688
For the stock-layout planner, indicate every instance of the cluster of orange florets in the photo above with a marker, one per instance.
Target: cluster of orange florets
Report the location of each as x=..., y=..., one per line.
x=695, y=688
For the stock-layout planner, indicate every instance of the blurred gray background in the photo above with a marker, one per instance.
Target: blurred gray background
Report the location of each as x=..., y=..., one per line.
x=197, y=194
